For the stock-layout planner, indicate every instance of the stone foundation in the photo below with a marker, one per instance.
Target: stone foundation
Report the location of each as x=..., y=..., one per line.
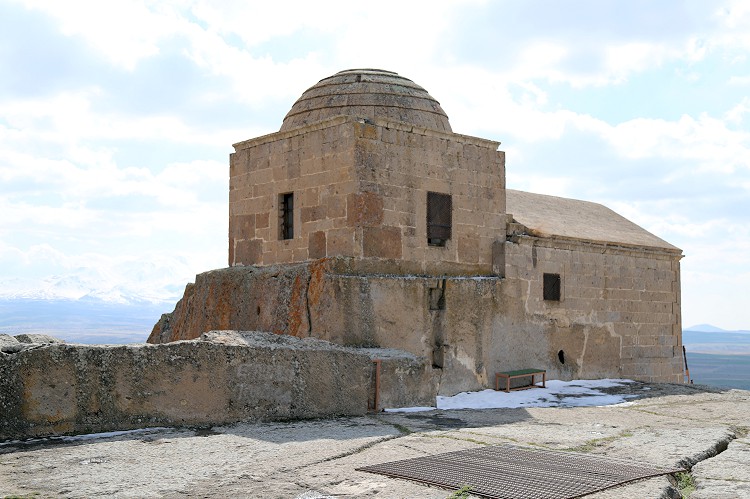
x=618, y=315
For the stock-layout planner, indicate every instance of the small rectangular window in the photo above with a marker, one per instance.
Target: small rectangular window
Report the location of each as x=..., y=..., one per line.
x=552, y=287
x=439, y=218
x=286, y=216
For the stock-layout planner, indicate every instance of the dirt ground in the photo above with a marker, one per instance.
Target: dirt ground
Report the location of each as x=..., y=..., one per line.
x=704, y=430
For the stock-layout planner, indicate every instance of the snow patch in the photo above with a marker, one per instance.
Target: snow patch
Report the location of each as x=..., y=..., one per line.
x=577, y=393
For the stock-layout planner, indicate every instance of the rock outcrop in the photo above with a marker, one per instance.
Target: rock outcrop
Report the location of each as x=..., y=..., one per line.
x=13, y=344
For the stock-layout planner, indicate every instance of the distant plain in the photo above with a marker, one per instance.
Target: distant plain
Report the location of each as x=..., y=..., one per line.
x=82, y=321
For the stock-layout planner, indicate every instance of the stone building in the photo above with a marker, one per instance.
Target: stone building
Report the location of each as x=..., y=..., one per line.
x=367, y=221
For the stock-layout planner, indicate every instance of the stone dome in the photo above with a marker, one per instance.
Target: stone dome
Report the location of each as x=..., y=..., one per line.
x=367, y=93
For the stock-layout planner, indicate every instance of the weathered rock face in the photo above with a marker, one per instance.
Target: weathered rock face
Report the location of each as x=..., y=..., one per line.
x=270, y=299
x=19, y=342
x=322, y=300
x=9, y=343
x=221, y=377
x=37, y=338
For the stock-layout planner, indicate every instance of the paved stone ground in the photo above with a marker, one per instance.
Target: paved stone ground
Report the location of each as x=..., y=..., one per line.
x=703, y=429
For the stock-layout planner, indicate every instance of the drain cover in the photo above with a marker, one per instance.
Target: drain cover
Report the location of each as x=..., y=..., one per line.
x=512, y=472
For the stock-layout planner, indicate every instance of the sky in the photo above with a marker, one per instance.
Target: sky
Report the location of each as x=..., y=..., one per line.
x=117, y=120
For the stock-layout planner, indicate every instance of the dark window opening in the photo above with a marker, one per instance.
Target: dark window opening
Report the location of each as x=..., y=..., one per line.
x=552, y=287
x=286, y=216
x=439, y=218
x=561, y=357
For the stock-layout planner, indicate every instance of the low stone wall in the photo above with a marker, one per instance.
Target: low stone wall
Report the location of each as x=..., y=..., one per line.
x=222, y=377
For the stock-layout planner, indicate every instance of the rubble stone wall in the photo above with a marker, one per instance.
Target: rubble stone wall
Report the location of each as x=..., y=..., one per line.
x=220, y=378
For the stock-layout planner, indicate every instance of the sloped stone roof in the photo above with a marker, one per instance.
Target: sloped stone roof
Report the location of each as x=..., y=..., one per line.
x=367, y=93
x=551, y=216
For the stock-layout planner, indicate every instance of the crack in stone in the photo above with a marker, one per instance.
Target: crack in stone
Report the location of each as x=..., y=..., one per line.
x=720, y=446
x=672, y=491
x=307, y=304
x=359, y=449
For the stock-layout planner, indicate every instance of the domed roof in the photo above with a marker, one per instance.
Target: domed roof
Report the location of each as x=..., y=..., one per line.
x=367, y=93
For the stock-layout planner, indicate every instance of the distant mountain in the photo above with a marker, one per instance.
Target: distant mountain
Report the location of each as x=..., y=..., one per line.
x=708, y=328
x=704, y=328
x=156, y=280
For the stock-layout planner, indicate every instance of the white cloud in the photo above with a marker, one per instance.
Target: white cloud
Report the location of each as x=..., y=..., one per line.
x=542, y=184
x=70, y=118
x=623, y=59
x=736, y=114
x=174, y=191
x=150, y=276
x=614, y=61
x=75, y=203
x=127, y=32
x=709, y=143
x=706, y=141
x=124, y=31
x=487, y=104
x=734, y=14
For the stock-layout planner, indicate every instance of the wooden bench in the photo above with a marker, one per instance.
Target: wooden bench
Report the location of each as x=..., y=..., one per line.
x=521, y=373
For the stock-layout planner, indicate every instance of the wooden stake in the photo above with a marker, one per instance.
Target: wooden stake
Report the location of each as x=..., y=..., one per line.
x=687, y=370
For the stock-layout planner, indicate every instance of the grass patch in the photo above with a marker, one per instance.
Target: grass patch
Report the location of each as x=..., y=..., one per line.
x=402, y=429
x=472, y=440
x=498, y=437
x=462, y=493
x=592, y=444
x=685, y=483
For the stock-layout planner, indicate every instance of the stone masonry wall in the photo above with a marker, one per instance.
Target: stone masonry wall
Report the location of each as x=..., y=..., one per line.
x=619, y=313
x=360, y=191
x=315, y=163
x=398, y=164
x=223, y=377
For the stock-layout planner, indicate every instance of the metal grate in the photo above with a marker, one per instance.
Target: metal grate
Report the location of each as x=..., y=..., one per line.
x=511, y=472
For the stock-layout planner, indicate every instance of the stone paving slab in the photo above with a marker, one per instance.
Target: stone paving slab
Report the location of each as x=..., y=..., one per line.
x=666, y=426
